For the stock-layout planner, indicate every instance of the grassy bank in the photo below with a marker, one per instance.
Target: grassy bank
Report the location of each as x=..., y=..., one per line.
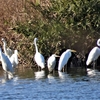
x=57, y=24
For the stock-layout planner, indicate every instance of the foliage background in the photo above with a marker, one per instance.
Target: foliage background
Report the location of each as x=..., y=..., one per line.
x=58, y=24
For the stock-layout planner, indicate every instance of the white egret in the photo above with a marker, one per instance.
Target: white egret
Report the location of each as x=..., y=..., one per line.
x=64, y=58
x=39, y=59
x=51, y=62
x=94, y=54
x=6, y=65
x=8, y=52
x=14, y=59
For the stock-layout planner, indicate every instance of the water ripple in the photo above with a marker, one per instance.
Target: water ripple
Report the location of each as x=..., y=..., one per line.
x=57, y=86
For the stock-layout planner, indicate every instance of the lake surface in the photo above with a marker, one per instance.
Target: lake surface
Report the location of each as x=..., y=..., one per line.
x=30, y=84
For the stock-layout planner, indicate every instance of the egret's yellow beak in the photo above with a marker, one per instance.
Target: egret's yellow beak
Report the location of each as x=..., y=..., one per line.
x=57, y=56
x=18, y=55
x=73, y=50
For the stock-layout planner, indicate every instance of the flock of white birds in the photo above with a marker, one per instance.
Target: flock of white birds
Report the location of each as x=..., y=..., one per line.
x=51, y=62
x=9, y=59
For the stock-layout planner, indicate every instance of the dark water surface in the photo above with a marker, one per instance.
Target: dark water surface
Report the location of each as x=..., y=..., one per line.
x=29, y=84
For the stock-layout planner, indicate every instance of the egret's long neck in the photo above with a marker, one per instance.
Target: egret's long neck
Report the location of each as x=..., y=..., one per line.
x=0, y=52
x=1, y=57
x=98, y=46
x=36, y=48
x=4, y=47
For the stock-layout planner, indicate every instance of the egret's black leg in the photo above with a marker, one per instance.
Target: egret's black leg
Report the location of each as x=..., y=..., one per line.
x=6, y=75
x=94, y=64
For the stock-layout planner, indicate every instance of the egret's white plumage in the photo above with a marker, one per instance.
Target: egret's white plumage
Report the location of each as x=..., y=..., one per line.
x=64, y=58
x=51, y=62
x=6, y=64
x=98, y=42
x=8, y=52
x=39, y=59
x=94, y=54
x=14, y=59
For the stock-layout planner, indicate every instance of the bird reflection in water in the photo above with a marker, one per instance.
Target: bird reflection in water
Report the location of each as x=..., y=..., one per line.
x=40, y=74
x=63, y=76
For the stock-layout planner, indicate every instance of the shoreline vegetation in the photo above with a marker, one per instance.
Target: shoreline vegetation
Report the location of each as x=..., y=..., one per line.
x=58, y=24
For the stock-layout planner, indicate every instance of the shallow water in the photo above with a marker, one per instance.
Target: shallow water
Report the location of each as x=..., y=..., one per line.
x=29, y=84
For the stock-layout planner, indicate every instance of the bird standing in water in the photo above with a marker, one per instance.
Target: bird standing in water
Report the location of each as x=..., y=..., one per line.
x=39, y=59
x=64, y=58
x=6, y=65
x=94, y=54
x=14, y=59
x=51, y=62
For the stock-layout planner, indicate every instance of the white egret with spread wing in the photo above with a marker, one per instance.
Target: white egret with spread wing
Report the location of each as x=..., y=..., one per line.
x=14, y=59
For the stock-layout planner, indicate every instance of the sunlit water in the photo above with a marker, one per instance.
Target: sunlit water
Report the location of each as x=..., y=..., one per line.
x=29, y=84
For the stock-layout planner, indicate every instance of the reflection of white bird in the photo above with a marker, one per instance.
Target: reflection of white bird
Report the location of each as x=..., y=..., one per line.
x=62, y=75
x=40, y=74
x=14, y=59
x=51, y=78
x=8, y=52
x=51, y=62
x=39, y=59
x=91, y=72
x=6, y=64
x=64, y=58
x=94, y=54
